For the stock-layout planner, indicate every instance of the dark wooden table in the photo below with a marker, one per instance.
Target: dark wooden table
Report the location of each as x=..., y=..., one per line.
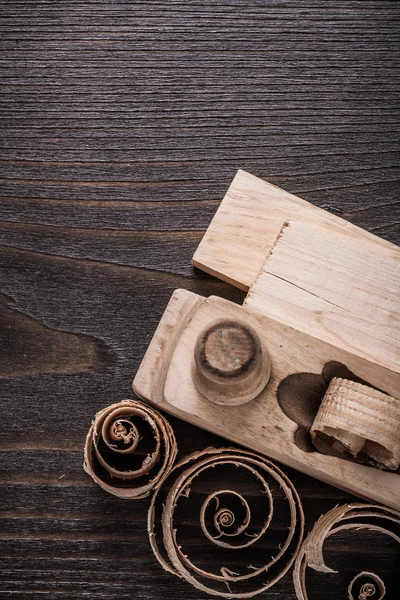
x=123, y=124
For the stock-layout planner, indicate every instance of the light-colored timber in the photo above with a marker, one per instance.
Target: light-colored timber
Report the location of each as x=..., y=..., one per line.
x=248, y=222
x=166, y=380
x=307, y=268
x=321, y=281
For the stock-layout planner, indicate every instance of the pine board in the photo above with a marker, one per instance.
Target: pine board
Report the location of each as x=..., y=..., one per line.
x=250, y=219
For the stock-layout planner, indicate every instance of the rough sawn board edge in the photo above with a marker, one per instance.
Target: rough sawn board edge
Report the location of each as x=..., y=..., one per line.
x=248, y=222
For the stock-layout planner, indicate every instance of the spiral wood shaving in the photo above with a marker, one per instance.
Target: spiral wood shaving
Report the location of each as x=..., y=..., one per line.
x=222, y=527
x=362, y=421
x=129, y=448
x=346, y=517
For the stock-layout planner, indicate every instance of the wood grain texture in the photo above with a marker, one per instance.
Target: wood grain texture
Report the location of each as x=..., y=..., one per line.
x=322, y=281
x=122, y=125
x=251, y=219
x=260, y=424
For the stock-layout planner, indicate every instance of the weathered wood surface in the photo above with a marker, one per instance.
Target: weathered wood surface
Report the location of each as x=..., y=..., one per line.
x=122, y=126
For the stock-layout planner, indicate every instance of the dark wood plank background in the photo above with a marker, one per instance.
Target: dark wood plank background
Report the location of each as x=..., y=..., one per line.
x=123, y=124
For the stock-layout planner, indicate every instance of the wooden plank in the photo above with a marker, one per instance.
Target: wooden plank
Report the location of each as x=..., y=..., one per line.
x=248, y=222
x=261, y=424
x=322, y=282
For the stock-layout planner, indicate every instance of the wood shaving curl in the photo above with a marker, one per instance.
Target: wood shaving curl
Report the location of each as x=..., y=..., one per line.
x=129, y=448
x=222, y=527
x=360, y=421
x=340, y=518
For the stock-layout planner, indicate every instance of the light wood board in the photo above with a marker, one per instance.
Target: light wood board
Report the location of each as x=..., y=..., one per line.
x=248, y=222
x=322, y=282
x=307, y=268
x=165, y=379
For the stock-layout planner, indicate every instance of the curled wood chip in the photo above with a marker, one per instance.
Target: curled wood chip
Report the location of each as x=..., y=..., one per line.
x=346, y=517
x=129, y=448
x=361, y=421
x=367, y=590
x=225, y=518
